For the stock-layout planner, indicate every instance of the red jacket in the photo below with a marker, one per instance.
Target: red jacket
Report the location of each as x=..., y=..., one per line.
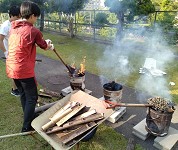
x=23, y=38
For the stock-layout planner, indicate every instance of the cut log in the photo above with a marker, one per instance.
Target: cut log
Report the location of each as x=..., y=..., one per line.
x=52, y=93
x=67, y=106
x=71, y=114
x=44, y=95
x=86, y=114
x=44, y=107
x=68, y=137
x=70, y=124
x=55, y=119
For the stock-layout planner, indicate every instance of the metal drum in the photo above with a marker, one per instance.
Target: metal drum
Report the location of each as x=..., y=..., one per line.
x=112, y=91
x=78, y=83
x=157, y=122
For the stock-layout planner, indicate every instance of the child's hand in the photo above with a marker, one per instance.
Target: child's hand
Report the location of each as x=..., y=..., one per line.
x=51, y=47
x=48, y=41
x=6, y=54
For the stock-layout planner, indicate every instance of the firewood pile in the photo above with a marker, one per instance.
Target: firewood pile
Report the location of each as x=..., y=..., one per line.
x=72, y=121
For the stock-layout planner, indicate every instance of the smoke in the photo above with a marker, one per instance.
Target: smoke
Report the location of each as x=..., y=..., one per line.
x=122, y=60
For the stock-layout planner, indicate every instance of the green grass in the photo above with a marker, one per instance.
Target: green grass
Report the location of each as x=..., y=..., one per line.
x=106, y=138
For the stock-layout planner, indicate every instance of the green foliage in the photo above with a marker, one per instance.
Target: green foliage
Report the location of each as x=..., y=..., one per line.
x=167, y=20
x=101, y=19
x=112, y=18
x=127, y=9
x=67, y=7
x=6, y=4
x=131, y=8
x=108, y=32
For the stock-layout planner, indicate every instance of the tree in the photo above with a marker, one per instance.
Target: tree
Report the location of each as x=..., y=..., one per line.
x=69, y=8
x=167, y=20
x=128, y=9
x=101, y=19
x=6, y=4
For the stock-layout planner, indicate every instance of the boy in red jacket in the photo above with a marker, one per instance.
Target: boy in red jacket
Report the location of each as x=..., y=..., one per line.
x=20, y=63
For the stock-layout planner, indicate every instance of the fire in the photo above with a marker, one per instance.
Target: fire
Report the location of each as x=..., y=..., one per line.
x=82, y=66
x=78, y=72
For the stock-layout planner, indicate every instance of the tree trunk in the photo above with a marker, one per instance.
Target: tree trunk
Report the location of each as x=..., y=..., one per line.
x=71, y=27
x=120, y=17
x=42, y=20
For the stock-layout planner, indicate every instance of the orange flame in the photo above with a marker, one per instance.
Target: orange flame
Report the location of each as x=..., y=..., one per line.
x=82, y=66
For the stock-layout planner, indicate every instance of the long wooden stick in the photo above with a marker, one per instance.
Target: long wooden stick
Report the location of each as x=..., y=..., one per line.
x=109, y=104
x=17, y=134
x=62, y=61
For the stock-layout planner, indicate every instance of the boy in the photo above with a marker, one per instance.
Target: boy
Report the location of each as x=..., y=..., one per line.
x=14, y=14
x=20, y=62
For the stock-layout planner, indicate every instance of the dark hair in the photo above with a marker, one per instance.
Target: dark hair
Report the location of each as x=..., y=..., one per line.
x=29, y=8
x=14, y=11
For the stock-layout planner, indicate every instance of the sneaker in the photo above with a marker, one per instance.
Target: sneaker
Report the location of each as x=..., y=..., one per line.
x=15, y=92
x=27, y=129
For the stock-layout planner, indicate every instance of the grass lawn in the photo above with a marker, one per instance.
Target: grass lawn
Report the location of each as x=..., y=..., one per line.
x=106, y=138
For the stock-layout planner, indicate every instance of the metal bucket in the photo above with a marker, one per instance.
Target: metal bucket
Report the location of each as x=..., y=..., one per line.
x=112, y=91
x=78, y=83
x=157, y=123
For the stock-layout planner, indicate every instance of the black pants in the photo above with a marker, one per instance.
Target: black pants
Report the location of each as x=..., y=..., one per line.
x=28, y=96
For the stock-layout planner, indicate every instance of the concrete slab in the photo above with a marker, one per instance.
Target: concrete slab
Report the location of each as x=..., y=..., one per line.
x=167, y=142
x=117, y=114
x=140, y=131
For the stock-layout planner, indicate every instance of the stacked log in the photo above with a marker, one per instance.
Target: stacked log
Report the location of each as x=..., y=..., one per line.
x=72, y=121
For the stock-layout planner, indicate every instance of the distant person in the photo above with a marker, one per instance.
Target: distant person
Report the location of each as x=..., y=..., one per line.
x=14, y=14
x=20, y=63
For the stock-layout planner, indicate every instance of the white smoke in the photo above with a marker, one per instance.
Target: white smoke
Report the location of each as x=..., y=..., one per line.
x=117, y=62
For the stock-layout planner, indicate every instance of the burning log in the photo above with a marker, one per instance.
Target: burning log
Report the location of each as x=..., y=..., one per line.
x=73, y=123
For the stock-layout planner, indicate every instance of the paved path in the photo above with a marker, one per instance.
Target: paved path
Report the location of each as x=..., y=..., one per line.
x=51, y=74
